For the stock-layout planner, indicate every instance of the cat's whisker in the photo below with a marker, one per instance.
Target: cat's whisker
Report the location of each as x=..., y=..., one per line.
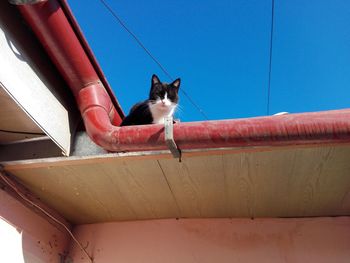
x=179, y=108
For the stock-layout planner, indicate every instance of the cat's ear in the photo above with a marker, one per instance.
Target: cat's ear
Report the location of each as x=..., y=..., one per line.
x=155, y=79
x=176, y=83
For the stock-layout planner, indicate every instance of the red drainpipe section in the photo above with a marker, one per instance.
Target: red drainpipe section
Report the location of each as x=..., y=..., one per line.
x=58, y=33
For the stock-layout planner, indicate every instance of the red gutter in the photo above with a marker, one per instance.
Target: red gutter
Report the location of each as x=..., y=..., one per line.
x=69, y=53
x=54, y=30
x=91, y=55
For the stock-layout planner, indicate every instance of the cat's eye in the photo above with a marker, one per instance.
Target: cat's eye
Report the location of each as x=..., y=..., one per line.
x=161, y=94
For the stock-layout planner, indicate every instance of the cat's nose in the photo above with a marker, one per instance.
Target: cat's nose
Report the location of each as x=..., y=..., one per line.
x=163, y=101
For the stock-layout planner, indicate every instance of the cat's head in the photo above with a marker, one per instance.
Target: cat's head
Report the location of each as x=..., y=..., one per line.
x=164, y=96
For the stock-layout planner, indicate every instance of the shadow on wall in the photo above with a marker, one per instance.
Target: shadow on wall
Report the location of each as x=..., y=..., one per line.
x=22, y=41
x=27, y=49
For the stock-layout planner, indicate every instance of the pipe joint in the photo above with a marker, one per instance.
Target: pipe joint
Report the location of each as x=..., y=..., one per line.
x=94, y=95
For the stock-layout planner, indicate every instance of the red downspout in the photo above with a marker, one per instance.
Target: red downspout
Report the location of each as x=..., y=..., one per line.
x=48, y=20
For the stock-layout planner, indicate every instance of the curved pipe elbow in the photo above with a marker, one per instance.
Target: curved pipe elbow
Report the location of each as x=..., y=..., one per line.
x=119, y=139
x=98, y=113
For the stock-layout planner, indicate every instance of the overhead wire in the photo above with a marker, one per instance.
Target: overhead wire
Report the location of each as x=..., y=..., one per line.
x=270, y=54
x=3, y=177
x=139, y=42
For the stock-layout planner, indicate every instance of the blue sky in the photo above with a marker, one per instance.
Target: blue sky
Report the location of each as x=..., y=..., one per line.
x=221, y=49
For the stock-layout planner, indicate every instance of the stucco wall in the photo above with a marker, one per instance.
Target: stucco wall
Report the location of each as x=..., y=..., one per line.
x=217, y=240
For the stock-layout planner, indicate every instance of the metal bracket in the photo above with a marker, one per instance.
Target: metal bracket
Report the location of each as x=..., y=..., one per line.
x=169, y=137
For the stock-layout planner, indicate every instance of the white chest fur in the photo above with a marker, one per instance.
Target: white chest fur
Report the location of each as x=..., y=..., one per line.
x=161, y=109
x=159, y=113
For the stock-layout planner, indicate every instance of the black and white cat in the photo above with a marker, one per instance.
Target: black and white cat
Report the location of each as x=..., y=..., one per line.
x=162, y=102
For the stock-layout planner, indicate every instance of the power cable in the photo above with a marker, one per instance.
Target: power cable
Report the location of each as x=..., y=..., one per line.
x=270, y=62
x=3, y=177
x=121, y=22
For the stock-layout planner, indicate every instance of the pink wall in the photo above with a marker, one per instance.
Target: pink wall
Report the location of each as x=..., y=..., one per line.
x=185, y=240
x=40, y=242
x=217, y=240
